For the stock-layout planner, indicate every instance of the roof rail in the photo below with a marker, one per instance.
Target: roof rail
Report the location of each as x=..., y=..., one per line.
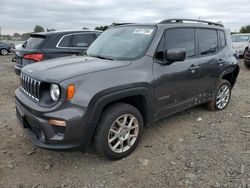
x=177, y=20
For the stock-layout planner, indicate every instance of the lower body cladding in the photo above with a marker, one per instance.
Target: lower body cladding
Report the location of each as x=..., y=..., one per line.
x=63, y=129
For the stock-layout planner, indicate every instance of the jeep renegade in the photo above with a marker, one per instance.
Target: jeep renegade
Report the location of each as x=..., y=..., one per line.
x=132, y=75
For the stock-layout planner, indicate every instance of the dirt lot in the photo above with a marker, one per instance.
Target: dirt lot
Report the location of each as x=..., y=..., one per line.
x=195, y=148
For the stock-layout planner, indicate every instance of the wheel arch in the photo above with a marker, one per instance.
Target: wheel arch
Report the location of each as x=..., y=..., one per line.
x=140, y=97
x=231, y=76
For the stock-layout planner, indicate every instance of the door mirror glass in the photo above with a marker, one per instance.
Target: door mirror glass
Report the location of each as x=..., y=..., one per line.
x=175, y=54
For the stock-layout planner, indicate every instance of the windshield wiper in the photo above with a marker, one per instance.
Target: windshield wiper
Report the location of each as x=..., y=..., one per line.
x=102, y=57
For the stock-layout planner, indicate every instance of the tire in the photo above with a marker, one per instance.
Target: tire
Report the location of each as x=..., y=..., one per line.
x=247, y=65
x=112, y=133
x=214, y=104
x=244, y=53
x=4, y=51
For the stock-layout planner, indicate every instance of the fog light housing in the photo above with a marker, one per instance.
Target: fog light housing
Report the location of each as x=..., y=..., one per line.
x=42, y=137
x=59, y=123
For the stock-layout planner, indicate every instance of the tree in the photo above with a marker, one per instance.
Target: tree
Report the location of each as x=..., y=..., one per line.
x=102, y=28
x=16, y=35
x=25, y=36
x=85, y=28
x=38, y=28
x=245, y=29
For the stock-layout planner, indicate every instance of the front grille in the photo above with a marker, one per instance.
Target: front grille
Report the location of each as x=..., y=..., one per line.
x=30, y=86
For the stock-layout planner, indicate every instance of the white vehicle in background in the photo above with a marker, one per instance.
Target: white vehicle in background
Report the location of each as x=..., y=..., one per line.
x=241, y=43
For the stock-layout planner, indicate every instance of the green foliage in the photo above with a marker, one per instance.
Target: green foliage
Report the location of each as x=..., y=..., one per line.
x=16, y=35
x=245, y=29
x=25, y=36
x=102, y=28
x=38, y=29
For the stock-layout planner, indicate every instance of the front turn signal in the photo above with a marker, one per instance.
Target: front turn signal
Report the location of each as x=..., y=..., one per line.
x=71, y=92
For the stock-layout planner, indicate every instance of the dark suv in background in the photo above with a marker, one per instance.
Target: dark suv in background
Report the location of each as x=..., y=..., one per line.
x=49, y=45
x=133, y=75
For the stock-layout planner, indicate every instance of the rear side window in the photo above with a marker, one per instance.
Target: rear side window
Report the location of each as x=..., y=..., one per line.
x=65, y=41
x=33, y=42
x=208, y=42
x=82, y=40
x=222, y=39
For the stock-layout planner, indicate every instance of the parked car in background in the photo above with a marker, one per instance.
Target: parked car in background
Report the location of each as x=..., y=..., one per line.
x=5, y=48
x=49, y=45
x=131, y=76
x=241, y=43
x=247, y=57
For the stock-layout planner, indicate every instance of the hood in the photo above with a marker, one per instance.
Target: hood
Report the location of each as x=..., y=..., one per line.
x=60, y=69
x=237, y=45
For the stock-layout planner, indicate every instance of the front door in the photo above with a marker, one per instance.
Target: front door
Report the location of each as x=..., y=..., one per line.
x=176, y=84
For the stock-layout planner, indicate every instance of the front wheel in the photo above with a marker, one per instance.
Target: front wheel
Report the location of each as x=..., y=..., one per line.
x=4, y=51
x=222, y=97
x=119, y=131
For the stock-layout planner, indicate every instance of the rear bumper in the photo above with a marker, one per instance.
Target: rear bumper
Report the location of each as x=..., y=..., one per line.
x=75, y=135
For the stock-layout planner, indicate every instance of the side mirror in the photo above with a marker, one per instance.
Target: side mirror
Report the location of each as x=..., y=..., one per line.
x=175, y=54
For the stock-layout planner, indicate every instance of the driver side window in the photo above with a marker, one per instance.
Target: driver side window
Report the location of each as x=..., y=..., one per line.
x=177, y=38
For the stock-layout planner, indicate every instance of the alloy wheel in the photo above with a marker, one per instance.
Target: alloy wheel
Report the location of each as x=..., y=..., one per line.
x=223, y=96
x=123, y=133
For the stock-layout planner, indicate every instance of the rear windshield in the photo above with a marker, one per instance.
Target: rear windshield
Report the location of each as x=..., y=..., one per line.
x=33, y=42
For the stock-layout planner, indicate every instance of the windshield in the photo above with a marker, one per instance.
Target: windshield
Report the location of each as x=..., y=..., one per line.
x=122, y=43
x=240, y=38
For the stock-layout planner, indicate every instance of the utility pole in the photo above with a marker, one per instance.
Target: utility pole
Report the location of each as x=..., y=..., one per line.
x=0, y=32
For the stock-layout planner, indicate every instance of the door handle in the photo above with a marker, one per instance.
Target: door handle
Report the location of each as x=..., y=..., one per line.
x=220, y=62
x=193, y=68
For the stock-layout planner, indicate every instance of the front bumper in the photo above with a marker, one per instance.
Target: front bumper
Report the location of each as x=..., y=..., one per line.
x=247, y=57
x=17, y=70
x=75, y=135
x=239, y=51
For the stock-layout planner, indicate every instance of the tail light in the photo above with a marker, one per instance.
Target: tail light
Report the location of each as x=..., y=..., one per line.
x=34, y=57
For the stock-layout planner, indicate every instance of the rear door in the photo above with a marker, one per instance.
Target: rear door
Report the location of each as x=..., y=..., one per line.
x=211, y=60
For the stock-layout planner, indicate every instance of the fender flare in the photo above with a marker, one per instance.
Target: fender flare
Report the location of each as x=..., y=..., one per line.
x=103, y=98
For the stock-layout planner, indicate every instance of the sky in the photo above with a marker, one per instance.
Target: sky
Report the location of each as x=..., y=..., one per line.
x=22, y=15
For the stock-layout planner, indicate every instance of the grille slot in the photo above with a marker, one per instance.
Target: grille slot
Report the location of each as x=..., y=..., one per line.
x=30, y=86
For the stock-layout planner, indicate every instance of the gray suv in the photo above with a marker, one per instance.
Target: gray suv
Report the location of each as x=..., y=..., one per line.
x=133, y=75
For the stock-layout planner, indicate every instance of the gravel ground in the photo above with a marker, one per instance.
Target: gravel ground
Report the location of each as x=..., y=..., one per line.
x=194, y=148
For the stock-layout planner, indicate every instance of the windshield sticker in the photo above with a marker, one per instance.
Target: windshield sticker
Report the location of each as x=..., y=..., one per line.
x=143, y=31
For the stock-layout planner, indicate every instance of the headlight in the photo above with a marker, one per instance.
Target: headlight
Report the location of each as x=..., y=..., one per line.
x=54, y=92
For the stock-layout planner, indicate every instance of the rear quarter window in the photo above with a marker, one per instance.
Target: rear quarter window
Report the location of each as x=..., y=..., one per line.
x=222, y=39
x=65, y=41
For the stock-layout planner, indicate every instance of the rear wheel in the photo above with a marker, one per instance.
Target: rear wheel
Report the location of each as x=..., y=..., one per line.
x=222, y=97
x=4, y=51
x=119, y=131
